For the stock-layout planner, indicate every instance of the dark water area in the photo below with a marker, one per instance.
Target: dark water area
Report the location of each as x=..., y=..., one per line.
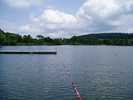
x=101, y=73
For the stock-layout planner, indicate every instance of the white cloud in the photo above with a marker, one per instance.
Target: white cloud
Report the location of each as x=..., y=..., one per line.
x=22, y=3
x=92, y=16
x=104, y=15
x=105, y=8
x=51, y=20
x=57, y=17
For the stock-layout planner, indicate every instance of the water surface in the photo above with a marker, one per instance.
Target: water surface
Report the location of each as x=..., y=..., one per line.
x=101, y=72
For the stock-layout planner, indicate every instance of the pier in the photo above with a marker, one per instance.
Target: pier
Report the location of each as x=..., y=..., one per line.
x=28, y=52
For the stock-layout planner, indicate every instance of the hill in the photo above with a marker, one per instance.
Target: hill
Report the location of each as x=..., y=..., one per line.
x=108, y=36
x=104, y=39
x=7, y=38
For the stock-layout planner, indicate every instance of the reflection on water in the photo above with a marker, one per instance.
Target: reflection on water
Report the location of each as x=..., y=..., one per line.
x=101, y=72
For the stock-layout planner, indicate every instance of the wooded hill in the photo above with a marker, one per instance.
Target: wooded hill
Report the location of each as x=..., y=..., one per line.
x=7, y=38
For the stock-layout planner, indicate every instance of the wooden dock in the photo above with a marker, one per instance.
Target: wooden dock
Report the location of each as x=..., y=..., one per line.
x=28, y=52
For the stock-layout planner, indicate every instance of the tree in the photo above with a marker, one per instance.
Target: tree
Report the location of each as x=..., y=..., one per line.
x=27, y=39
x=40, y=37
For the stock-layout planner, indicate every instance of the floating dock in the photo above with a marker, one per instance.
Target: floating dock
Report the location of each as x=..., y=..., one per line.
x=28, y=52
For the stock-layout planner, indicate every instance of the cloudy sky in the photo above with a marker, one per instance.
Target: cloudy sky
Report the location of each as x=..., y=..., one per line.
x=64, y=18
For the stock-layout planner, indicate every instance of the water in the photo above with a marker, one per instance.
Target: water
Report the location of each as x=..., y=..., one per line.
x=101, y=72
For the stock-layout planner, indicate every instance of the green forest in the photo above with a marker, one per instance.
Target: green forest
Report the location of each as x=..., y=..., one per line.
x=7, y=38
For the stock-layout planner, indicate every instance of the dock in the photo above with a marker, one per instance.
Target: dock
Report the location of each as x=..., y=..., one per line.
x=28, y=52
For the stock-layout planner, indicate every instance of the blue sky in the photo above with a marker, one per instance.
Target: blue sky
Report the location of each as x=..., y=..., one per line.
x=64, y=18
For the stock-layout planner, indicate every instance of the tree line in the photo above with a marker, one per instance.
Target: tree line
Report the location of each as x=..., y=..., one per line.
x=7, y=38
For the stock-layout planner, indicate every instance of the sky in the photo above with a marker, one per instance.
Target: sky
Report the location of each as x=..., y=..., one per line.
x=65, y=18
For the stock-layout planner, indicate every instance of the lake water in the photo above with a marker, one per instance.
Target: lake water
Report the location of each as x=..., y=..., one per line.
x=101, y=73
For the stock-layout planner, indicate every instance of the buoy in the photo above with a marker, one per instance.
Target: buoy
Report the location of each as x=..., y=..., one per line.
x=76, y=91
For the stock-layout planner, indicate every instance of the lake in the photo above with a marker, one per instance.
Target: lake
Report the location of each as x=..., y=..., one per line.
x=100, y=72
